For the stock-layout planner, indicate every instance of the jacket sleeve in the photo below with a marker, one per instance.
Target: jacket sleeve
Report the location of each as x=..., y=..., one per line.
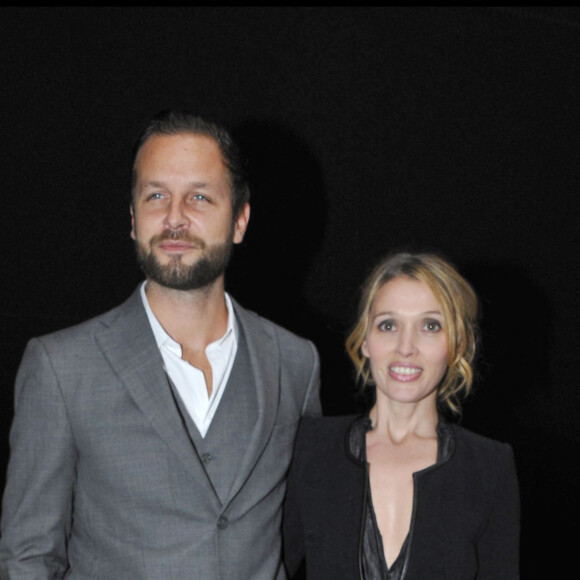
x=292, y=528
x=37, y=504
x=498, y=545
x=292, y=531
x=312, y=407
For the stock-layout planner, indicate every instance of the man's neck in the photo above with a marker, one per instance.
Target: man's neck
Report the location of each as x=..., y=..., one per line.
x=193, y=318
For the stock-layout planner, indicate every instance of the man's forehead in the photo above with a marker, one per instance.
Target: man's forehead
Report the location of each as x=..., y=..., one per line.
x=192, y=156
x=166, y=148
x=199, y=140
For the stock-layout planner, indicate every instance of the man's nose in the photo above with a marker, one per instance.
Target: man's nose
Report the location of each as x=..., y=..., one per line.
x=176, y=215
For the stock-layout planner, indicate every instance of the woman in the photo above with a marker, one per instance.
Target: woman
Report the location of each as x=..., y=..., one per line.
x=401, y=494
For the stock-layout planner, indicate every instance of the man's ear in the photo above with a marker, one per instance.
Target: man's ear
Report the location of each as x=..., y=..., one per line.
x=132, y=221
x=241, y=223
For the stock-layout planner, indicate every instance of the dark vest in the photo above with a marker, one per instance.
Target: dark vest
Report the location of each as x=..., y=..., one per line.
x=222, y=449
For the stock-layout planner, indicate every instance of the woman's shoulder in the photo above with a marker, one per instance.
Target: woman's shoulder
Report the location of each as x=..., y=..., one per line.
x=484, y=466
x=318, y=435
x=478, y=446
x=328, y=423
x=321, y=452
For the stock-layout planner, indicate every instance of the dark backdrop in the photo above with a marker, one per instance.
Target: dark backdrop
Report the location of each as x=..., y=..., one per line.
x=366, y=130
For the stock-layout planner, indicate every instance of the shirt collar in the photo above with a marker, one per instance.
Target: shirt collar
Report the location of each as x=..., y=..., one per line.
x=163, y=339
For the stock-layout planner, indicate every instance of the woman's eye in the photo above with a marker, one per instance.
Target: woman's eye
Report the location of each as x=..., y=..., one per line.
x=387, y=326
x=432, y=326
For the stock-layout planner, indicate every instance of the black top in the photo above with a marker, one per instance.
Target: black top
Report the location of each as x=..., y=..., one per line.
x=465, y=521
x=374, y=563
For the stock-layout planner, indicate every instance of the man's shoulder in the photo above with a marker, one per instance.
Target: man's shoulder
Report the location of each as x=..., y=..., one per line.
x=80, y=332
x=253, y=322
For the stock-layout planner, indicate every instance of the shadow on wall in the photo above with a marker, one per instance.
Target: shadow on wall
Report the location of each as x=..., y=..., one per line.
x=269, y=270
x=514, y=401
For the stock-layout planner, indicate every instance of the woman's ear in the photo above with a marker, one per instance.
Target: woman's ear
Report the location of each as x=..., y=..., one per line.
x=364, y=349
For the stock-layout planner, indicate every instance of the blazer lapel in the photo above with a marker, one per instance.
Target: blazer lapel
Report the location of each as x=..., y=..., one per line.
x=130, y=347
x=264, y=353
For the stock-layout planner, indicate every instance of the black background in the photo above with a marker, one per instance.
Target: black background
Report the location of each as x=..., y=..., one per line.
x=366, y=129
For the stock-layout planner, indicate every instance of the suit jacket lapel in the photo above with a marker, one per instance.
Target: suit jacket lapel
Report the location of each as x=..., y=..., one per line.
x=128, y=343
x=264, y=353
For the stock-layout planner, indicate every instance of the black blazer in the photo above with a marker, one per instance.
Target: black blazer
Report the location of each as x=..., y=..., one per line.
x=465, y=522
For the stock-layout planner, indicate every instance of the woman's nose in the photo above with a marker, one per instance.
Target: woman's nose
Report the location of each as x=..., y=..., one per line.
x=406, y=345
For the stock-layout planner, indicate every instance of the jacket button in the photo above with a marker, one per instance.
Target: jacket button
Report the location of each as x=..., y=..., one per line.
x=222, y=523
x=206, y=458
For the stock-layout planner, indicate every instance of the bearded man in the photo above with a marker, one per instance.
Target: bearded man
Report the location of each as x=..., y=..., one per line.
x=153, y=441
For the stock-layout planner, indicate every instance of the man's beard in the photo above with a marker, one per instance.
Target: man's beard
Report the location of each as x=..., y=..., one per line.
x=211, y=264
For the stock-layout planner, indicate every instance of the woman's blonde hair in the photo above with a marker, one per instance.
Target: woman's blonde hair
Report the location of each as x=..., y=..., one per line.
x=459, y=309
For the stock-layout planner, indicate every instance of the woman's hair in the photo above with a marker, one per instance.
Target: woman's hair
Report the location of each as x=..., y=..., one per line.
x=459, y=309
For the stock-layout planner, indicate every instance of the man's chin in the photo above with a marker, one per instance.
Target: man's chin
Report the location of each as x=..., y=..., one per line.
x=191, y=271
x=174, y=276
x=175, y=263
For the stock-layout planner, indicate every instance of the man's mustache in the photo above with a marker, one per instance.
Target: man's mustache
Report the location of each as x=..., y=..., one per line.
x=180, y=235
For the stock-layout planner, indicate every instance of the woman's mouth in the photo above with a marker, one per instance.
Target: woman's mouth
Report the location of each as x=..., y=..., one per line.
x=405, y=372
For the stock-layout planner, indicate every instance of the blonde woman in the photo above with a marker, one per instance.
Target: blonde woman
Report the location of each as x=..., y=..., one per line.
x=401, y=493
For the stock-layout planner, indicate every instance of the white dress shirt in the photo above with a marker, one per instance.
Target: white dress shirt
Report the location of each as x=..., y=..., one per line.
x=189, y=380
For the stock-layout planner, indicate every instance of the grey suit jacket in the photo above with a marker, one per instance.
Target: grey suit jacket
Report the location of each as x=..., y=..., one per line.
x=104, y=481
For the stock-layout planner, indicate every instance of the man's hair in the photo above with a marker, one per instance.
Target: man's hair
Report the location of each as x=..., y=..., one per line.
x=175, y=122
x=459, y=307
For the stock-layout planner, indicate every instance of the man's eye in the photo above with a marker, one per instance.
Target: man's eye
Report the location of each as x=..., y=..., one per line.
x=155, y=195
x=199, y=197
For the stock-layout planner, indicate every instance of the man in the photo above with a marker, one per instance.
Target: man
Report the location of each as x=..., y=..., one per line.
x=153, y=441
